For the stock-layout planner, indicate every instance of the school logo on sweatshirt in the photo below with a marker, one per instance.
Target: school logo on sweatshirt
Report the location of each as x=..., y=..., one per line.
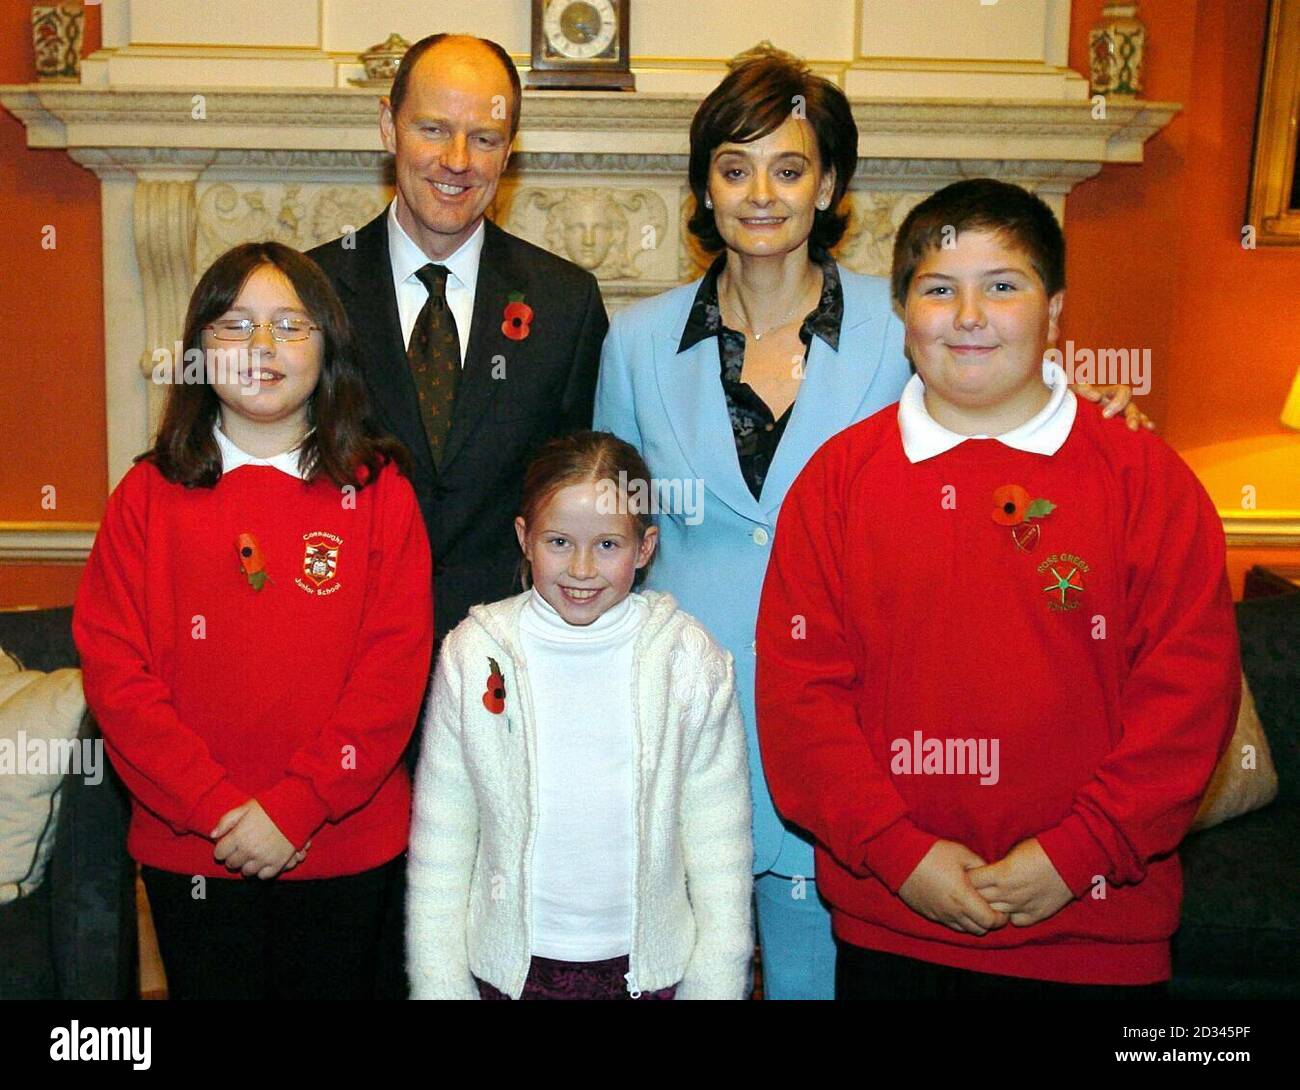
x=320, y=563
x=1064, y=574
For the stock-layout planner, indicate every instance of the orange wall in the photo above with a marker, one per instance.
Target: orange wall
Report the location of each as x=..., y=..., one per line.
x=51, y=331
x=1154, y=262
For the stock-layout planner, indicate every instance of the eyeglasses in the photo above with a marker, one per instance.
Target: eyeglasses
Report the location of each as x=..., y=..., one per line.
x=241, y=329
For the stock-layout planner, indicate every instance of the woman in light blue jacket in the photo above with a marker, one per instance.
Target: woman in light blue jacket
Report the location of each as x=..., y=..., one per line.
x=728, y=385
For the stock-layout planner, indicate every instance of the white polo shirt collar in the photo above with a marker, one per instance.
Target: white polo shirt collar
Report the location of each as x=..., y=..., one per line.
x=1044, y=433
x=233, y=457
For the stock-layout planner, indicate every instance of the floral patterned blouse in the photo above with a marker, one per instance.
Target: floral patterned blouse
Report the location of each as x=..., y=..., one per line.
x=757, y=432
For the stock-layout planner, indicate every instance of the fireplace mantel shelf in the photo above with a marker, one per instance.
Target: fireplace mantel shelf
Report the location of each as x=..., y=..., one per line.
x=344, y=120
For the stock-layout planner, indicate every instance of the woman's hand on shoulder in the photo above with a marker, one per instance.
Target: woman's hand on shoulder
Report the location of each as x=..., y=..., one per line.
x=1115, y=399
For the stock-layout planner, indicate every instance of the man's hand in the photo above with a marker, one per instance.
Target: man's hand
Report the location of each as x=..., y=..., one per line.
x=1116, y=399
x=249, y=841
x=940, y=890
x=1023, y=884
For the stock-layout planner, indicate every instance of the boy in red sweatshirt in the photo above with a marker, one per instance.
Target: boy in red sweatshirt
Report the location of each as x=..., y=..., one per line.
x=997, y=659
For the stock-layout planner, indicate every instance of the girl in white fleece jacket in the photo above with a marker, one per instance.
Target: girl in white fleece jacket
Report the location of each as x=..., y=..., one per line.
x=581, y=815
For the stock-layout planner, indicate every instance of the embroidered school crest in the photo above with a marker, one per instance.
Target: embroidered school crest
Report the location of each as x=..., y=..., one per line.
x=320, y=563
x=1064, y=587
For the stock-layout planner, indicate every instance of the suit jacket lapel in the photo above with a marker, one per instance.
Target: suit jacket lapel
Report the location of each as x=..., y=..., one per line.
x=691, y=387
x=497, y=278
x=834, y=387
x=377, y=326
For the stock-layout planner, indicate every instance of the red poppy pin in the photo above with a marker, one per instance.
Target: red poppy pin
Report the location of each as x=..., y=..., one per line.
x=494, y=696
x=517, y=317
x=251, y=561
x=1012, y=507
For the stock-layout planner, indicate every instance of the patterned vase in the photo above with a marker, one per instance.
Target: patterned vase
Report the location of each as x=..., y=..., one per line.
x=1116, y=46
x=381, y=62
x=56, y=35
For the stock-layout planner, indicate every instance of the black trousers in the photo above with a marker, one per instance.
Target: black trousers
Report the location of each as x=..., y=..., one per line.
x=249, y=939
x=390, y=968
x=869, y=974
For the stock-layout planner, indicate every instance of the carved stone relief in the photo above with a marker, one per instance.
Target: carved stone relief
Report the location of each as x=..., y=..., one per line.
x=868, y=243
x=299, y=215
x=613, y=232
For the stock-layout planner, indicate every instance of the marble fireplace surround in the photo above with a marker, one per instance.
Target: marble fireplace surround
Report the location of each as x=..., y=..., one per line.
x=598, y=178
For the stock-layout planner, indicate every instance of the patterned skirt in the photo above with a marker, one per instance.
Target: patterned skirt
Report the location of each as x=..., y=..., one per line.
x=551, y=979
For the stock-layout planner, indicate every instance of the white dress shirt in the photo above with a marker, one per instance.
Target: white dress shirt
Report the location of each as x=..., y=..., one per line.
x=407, y=258
x=232, y=456
x=582, y=883
x=1043, y=433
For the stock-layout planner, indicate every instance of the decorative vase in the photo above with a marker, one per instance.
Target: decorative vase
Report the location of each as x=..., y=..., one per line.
x=1116, y=46
x=381, y=61
x=57, y=32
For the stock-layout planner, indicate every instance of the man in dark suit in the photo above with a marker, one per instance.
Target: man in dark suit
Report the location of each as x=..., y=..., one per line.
x=476, y=345
x=523, y=373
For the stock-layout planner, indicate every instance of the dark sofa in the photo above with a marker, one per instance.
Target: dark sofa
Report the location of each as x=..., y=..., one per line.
x=75, y=937
x=1240, y=933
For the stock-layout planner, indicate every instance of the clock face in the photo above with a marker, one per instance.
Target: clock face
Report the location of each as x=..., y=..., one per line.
x=580, y=29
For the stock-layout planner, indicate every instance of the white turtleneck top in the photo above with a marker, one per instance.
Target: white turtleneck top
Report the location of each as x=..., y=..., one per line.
x=581, y=681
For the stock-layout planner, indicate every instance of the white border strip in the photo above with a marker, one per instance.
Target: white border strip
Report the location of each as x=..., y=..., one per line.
x=28, y=543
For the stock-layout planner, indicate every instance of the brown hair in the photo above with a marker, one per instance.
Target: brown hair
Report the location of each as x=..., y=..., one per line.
x=581, y=458
x=980, y=204
x=397, y=93
x=756, y=98
x=343, y=439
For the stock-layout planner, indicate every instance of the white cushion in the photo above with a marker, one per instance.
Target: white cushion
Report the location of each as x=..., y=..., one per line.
x=40, y=716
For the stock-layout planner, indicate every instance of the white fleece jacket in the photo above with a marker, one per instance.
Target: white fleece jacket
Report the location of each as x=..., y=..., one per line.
x=475, y=815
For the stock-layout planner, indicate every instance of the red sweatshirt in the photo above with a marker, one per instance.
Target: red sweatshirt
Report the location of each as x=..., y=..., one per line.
x=302, y=694
x=895, y=604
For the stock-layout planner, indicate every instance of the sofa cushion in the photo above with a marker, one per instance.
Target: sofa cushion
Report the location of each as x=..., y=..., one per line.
x=40, y=718
x=82, y=922
x=92, y=888
x=1239, y=929
x=27, y=967
x=1270, y=655
x=41, y=639
x=1244, y=779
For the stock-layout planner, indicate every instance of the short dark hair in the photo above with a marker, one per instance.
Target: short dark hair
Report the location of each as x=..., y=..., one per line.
x=756, y=98
x=411, y=57
x=980, y=204
x=343, y=439
x=584, y=457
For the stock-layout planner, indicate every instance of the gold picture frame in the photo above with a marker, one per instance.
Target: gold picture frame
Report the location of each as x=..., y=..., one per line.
x=1274, y=209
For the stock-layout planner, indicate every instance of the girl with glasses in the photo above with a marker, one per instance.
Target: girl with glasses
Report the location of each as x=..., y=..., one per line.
x=255, y=628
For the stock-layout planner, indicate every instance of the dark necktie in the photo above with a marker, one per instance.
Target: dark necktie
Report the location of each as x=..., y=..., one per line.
x=434, y=357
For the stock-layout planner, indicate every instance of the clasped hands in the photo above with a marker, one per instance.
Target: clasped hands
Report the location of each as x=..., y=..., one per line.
x=250, y=842
x=954, y=887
